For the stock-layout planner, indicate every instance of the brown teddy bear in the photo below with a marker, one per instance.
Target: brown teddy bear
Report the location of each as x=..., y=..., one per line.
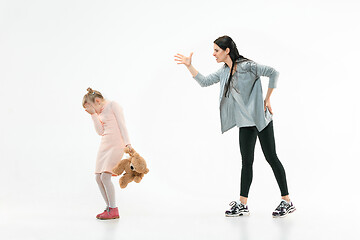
x=135, y=168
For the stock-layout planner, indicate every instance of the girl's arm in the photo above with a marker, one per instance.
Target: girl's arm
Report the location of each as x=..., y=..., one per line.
x=98, y=124
x=202, y=80
x=118, y=112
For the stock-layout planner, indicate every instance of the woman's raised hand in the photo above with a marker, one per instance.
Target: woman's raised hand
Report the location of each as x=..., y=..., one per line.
x=181, y=59
x=90, y=109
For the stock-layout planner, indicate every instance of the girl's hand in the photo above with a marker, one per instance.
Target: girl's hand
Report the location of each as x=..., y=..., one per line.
x=181, y=59
x=130, y=147
x=267, y=105
x=90, y=109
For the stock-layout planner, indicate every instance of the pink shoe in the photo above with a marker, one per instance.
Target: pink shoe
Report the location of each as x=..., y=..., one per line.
x=106, y=209
x=112, y=213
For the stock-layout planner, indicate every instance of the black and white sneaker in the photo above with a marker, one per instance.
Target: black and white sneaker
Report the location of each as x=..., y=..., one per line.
x=283, y=209
x=237, y=209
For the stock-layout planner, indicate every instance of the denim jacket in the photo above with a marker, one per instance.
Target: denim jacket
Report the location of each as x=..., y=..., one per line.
x=244, y=105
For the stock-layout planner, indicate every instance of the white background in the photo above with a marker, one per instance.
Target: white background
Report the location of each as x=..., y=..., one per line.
x=52, y=51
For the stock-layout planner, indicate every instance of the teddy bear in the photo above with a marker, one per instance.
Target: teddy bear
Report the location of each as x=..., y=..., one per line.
x=134, y=167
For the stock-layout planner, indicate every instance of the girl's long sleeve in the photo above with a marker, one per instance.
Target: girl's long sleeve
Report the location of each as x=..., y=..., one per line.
x=208, y=80
x=97, y=124
x=262, y=70
x=118, y=112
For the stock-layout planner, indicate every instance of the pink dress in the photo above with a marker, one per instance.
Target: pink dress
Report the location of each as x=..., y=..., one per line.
x=110, y=124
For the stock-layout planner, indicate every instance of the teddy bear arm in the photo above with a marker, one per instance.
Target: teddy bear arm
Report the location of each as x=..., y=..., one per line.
x=120, y=167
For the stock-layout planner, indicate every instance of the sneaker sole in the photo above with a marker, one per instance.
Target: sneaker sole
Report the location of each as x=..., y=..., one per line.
x=238, y=215
x=108, y=218
x=288, y=212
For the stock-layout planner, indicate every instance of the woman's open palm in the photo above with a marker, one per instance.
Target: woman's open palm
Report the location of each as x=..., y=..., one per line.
x=181, y=59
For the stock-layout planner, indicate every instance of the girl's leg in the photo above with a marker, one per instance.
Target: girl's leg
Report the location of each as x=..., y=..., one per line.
x=109, y=188
x=102, y=188
x=267, y=141
x=247, y=140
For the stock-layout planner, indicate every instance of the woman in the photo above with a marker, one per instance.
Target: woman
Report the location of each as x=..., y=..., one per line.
x=242, y=105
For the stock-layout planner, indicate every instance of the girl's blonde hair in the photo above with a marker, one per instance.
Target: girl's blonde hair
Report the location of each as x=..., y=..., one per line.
x=90, y=96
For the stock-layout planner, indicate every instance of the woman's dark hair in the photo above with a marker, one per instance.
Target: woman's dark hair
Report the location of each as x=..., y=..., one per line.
x=225, y=42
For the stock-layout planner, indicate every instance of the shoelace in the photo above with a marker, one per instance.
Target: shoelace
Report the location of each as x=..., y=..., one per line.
x=281, y=206
x=235, y=205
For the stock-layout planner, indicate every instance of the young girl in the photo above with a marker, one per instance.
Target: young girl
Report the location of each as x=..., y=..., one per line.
x=242, y=105
x=110, y=124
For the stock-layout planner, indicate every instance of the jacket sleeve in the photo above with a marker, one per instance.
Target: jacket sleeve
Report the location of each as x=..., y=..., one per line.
x=98, y=124
x=208, y=80
x=119, y=115
x=262, y=70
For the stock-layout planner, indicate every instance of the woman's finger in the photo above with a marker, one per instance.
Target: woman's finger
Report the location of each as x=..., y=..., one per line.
x=180, y=62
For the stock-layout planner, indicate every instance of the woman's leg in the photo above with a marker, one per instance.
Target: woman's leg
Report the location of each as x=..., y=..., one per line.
x=102, y=188
x=247, y=140
x=267, y=141
x=109, y=188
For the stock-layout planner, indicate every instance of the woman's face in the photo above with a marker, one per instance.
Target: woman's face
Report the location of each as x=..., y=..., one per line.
x=220, y=54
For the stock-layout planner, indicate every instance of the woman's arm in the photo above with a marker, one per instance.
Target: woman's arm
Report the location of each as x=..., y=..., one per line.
x=269, y=92
x=272, y=74
x=267, y=100
x=204, y=81
x=262, y=70
x=118, y=112
x=192, y=70
x=208, y=80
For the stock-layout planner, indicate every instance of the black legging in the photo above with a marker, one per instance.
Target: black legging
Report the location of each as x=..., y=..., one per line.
x=247, y=139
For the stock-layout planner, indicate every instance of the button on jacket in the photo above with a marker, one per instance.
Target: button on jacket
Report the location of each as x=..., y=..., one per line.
x=244, y=105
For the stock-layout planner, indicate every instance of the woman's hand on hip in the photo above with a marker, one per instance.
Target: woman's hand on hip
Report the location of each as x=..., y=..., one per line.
x=90, y=109
x=267, y=105
x=181, y=59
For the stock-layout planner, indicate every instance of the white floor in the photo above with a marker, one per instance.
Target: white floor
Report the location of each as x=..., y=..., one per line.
x=68, y=224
